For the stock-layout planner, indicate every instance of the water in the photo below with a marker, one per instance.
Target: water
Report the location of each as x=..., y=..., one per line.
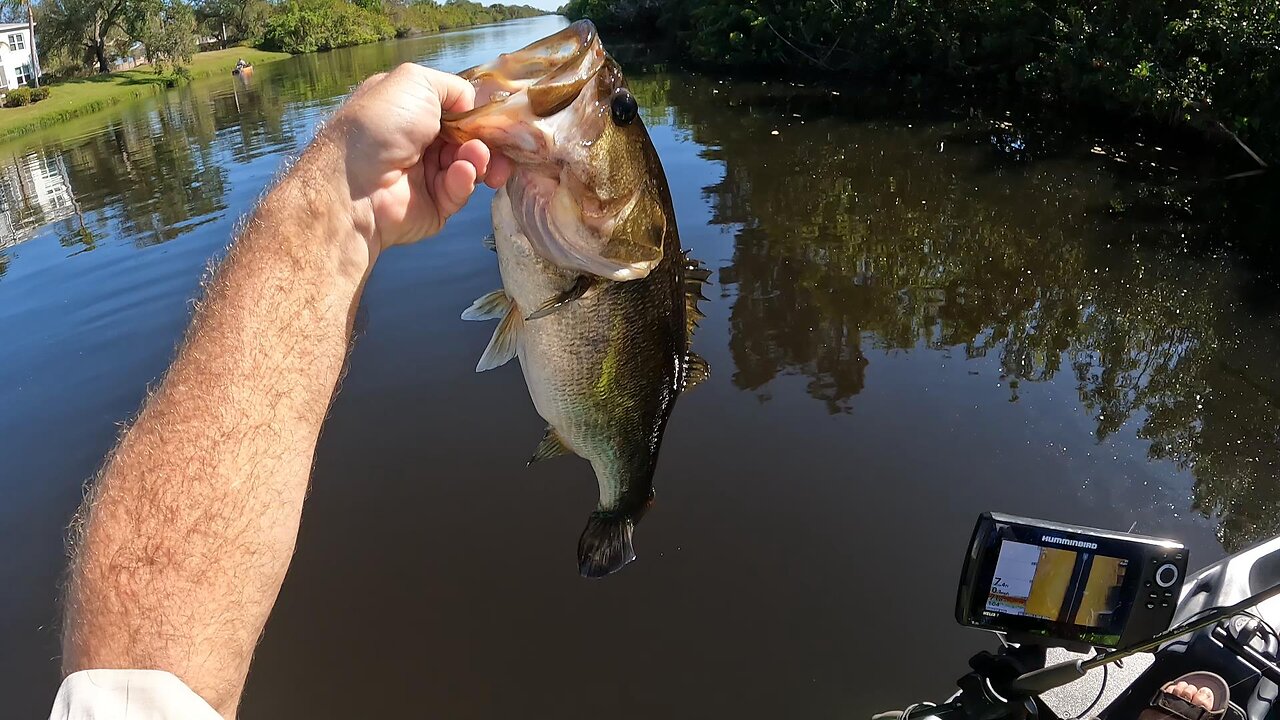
x=910, y=321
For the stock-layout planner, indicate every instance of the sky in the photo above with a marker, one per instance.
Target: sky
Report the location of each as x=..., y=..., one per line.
x=544, y=4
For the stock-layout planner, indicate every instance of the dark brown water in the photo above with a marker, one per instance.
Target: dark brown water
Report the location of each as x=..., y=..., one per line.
x=910, y=322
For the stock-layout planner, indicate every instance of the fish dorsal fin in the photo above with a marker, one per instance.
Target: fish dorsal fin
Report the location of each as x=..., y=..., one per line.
x=696, y=370
x=505, y=341
x=551, y=446
x=695, y=276
x=490, y=306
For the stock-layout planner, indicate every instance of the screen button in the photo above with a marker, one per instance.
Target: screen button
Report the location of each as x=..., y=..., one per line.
x=1166, y=575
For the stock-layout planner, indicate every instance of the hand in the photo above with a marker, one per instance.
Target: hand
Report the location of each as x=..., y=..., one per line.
x=403, y=180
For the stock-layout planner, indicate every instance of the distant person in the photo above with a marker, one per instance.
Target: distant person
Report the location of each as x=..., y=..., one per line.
x=184, y=538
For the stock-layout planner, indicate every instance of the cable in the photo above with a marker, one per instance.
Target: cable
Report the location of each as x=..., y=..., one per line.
x=1097, y=699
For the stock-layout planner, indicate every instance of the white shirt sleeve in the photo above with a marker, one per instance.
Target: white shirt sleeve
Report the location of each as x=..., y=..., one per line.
x=128, y=695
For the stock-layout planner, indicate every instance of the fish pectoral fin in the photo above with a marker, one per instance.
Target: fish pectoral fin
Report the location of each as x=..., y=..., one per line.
x=580, y=288
x=551, y=446
x=605, y=546
x=490, y=306
x=505, y=341
x=490, y=241
x=696, y=369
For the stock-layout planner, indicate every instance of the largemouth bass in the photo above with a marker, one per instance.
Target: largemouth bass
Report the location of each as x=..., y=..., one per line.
x=598, y=301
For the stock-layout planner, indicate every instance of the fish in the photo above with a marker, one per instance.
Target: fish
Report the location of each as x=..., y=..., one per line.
x=598, y=300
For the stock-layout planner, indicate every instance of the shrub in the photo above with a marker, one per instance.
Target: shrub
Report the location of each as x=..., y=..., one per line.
x=40, y=93
x=1191, y=63
x=304, y=26
x=18, y=97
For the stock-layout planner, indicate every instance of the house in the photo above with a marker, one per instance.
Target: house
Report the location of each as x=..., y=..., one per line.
x=17, y=49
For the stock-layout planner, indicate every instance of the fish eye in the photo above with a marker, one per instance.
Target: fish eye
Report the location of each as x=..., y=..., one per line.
x=623, y=107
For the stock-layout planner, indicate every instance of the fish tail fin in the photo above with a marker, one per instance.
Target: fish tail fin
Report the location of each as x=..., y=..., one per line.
x=605, y=546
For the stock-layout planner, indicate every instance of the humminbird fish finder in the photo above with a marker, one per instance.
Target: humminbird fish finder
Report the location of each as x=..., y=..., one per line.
x=1051, y=584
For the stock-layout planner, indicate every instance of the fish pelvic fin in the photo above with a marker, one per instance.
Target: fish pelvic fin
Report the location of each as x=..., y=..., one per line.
x=552, y=445
x=505, y=341
x=489, y=306
x=605, y=546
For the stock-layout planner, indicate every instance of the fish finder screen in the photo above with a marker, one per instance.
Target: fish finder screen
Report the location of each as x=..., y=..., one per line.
x=1056, y=584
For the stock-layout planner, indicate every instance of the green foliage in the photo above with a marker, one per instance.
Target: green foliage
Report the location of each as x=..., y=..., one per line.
x=634, y=15
x=1192, y=63
x=83, y=28
x=232, y=21
x=426, y=16
x=302, y=26
x=18, y=97
x=40, y=93
x=167, y=31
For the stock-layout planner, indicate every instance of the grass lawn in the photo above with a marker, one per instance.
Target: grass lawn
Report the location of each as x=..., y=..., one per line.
x=73, y=98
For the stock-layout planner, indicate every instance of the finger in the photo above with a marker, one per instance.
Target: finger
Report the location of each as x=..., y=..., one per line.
x=431, y=160
x=448, y=153
x=454, y=187
x=1184, y=691
x=1204, y=698
x=500, y=169
x=456, y=94
x=476, y=153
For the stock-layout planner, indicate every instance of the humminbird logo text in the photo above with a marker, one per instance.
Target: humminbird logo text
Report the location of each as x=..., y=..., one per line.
x=1053, y=540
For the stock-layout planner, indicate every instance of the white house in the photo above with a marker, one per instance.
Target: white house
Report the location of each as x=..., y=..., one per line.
x=17, y=48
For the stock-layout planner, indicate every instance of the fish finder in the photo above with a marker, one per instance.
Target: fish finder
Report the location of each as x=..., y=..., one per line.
x=1052, y=584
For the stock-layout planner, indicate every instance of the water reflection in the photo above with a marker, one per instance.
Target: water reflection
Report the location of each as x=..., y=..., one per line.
x=854, y=238
x=867, y=269
x=34, y=191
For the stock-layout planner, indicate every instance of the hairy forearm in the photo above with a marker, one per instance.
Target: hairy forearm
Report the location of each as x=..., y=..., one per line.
x=186, y=536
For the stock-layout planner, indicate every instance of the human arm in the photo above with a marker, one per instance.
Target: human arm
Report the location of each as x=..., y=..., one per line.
x=184, y=538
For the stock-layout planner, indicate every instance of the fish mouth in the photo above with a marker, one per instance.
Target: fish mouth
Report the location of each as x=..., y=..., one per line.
x=537, y=82
x=548, y=108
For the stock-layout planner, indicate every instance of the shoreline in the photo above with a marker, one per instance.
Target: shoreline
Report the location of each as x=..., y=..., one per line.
x=80, y=97
x=85, y=96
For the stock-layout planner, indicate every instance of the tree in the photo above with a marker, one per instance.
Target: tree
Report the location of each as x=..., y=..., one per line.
x=84, y=27
x=232, y=20
x=166, y=29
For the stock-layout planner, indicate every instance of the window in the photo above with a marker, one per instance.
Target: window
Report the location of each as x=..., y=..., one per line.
x=17, y=41
x=49, y=167
x=23, y=74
